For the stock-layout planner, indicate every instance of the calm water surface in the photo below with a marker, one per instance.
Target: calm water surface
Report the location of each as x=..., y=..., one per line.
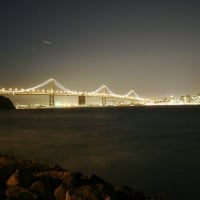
x=154, y=149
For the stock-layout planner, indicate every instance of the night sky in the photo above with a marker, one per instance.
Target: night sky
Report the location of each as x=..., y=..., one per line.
x=150, y=46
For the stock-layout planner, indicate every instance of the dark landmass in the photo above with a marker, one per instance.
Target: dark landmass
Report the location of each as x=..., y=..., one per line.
x=25, y=179
x=6, y=104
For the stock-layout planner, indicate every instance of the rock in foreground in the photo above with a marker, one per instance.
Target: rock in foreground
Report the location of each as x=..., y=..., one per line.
x=6, y=104
x=24, y=179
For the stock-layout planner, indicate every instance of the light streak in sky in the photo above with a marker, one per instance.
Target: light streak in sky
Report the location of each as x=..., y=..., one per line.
x=47, y=42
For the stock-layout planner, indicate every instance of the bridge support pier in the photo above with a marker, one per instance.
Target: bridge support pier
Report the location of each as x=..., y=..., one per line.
x=81, y=100
x=103, y=101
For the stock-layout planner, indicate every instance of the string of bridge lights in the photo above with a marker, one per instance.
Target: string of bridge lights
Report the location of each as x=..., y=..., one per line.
x=103, y=89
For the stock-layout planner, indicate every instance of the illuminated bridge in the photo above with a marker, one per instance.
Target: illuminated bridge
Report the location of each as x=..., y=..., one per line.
x=54, y=88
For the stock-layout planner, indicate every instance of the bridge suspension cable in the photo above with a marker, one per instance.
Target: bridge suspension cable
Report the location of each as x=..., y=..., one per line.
x=61, y=86
x=39, y=86
x=131, y=93
x=104, y=88
x=46, y=83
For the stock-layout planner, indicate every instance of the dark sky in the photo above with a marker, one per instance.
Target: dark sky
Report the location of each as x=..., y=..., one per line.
x=150, y=46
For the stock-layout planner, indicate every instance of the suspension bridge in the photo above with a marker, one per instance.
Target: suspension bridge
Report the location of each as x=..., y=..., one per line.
x=53, y=88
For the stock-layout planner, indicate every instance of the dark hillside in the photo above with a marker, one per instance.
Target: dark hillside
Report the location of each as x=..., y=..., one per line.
x=6, y=104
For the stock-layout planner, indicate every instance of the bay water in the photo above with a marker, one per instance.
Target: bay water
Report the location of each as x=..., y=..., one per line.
x=150, y=148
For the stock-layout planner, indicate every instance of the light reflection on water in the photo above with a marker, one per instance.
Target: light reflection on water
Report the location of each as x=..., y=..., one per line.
x=153, y=149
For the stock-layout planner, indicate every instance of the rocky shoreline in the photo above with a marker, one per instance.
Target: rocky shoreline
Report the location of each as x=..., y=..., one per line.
x=25, y=179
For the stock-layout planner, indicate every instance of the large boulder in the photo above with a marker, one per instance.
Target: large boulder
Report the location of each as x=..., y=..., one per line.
x=6, y=104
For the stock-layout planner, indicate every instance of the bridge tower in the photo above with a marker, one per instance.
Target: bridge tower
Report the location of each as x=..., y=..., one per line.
x=51, y=94
x=104, y=98
x=132, y=102
x=103, y=101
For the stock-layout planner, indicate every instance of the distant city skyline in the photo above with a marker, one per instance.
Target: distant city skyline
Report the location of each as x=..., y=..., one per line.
x=152, y=47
